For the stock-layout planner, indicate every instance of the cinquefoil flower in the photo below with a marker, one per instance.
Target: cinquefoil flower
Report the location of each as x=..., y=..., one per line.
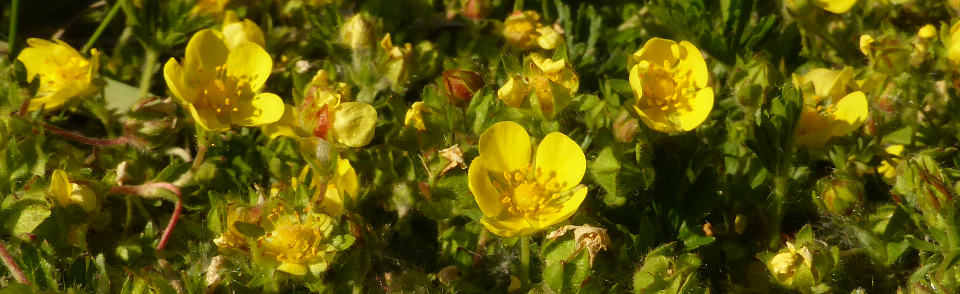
x=66, y=193
x=219, y=85
x=63, y=72
x=325, y=114
x=553, y=81
x=520, y=194
x=523, y=30
x=831, y=109
x=297, y=242
x=670, y=82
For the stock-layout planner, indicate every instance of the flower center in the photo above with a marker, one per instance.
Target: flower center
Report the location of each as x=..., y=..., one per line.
x=223, y=93
x=73, y=70
x=529, y=194
x=665, y=86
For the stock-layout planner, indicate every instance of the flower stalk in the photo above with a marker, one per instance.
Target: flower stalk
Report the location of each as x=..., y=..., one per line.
x=147, y=190
x=10, y=263
x=103, y=25
x=12, y=36
x=525, y=261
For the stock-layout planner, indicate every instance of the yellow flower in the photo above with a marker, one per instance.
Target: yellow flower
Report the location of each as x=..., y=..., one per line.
x=63, y=72
x=324, y=114
x=553, y=81
x=209, y=7
x=343, y=184
x=866, y=44
x=887, y=170
x=220, y=86
x=831, y=109
x=788, y=261
x=396, y=67
x=236, y=32
x=298, y=242
x=231, y=236
x=520, y=194
x=414, y=116
x=66, y=193
x=522, y=29
x=514, y=92
x=835, y=6
x=356, y=33
x=953, y=45
x=927, y=32
x=670, y=82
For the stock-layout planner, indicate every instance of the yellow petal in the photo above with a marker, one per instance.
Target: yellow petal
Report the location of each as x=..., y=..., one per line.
x=205, y=52
x=655, y=119
x=894, y=149
x=486, y=195
x=292, y=268
x=835, y=6
x=83, y=196
x=657, y=51
x=249, y=63
x=207, y=118
x=812, y=129
x=285, y=126
x=54, y=100
x=507, y=228
x=558, y=155
x=567, y=208
x=692, y=59
x=237, y=33
x=505, y=147
x=263, y=109
x=346, y=178
x=173, y=75
x=60, y=187
x=850, y=113
x=701, y=105
x=354, y=123
x=332, y=201
x=513, y=93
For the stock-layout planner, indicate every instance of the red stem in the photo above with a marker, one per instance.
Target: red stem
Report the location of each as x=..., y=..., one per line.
x=178, y=208
x=12, y=266
x=125, y=139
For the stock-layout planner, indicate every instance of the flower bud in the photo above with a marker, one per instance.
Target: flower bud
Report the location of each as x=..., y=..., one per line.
x=625, y=127
x=838, y=195
x=520, y=29
x=356, y=33
x=476, y=9
x=514, y=92
x=866, y=44
x=461, y=85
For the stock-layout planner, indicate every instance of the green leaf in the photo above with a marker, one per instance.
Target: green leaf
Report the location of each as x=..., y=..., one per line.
x=604, y=170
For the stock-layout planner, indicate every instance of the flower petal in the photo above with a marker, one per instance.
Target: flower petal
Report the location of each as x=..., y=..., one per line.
x=173, y=75
x=240, y=32
x=486, y=195
x=60, y=187
x=692, y=60
x=558, y=155
x=849, y=113
x=205, y=52
x=507, y=228
x=656, y=51
x=346, y=178
x=505, y=147
x=54, y=100
x=263, y=109
x=207, y=118
x=567, y=208
x=701, y=105
x=249, y=63
x=285, y=125
x=354, y=123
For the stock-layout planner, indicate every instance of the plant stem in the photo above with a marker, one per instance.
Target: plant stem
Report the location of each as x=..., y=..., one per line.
x=146, y=73
x=780, y=186
x=125, y=139
x=525, y=261
x=12, y=264
x=141, y=190
x=202, y=146
x=12, y=36
x=103, y=25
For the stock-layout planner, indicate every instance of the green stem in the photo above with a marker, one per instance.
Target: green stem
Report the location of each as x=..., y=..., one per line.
x=780, y=185
x=203, y=140
x=12, y=36
x=525, y=261
x=518, y=5
x=103, y=25
x=146, y=74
